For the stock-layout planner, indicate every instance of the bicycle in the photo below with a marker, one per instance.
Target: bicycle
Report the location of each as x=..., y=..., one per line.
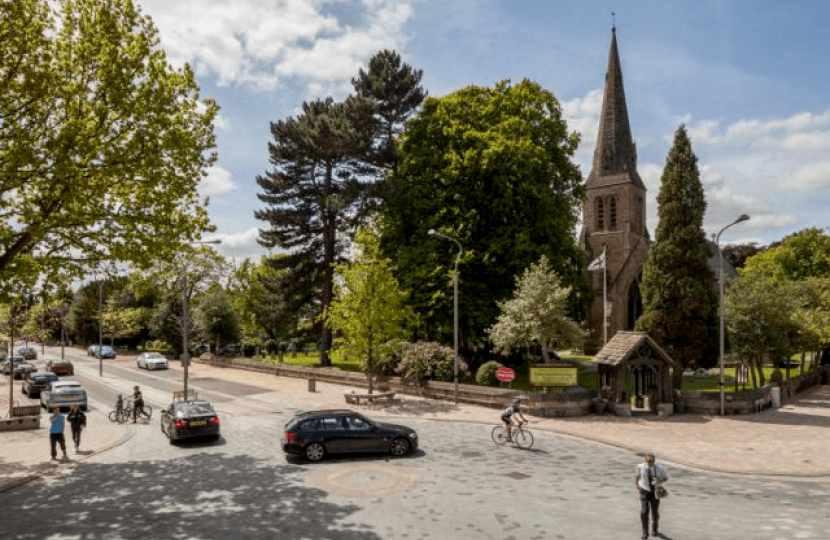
x=521, y=437
x=118, y=415
x=144, y=414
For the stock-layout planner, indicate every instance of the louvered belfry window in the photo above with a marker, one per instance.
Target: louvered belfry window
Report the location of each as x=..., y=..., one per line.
x=600, y=215
x=612, y=211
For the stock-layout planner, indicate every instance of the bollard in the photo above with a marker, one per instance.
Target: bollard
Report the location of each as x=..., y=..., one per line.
x=312, y=385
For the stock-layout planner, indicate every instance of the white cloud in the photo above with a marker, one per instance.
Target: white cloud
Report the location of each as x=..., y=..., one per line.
x=582, y=115
x=241, y=245
x=260, y=42
x=217, y=180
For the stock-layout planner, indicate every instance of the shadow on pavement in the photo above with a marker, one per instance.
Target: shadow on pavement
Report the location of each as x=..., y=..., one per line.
x=203, y=496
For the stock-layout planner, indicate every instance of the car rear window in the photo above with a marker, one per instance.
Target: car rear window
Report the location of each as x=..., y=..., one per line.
x=196, y=409
x=45, y=379
x=310, y=425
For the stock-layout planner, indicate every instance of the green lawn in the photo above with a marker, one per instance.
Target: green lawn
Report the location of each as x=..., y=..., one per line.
x=587, y=379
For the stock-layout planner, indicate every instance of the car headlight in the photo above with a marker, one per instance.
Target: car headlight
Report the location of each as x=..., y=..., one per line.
x=413, y=435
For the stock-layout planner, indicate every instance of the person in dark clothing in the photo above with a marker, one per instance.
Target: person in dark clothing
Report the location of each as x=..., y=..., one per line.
x=648, y=479
x=77, y=419
x=138, y=403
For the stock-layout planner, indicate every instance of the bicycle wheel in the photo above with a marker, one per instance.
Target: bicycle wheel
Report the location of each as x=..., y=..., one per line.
x=114, y=416
x=124, y=415
x=499, y=435
x=523, y=438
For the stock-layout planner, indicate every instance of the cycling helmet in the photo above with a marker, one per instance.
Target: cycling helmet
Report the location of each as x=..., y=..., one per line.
x=517, y=403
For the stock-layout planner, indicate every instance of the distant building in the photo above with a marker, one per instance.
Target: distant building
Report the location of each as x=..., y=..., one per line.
x=614, y=215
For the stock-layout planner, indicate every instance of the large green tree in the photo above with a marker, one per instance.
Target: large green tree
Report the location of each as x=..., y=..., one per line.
x=313, y=197
x=102, y=143
x=536, y=313
x=368, y=310
x=679, y=304
x=492, y=168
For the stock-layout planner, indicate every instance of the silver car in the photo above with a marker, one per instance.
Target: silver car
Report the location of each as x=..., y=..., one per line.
x=151, y=360
x=18, y=366
x=63, y=394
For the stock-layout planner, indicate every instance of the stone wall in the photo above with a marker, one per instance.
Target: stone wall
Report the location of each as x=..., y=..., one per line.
x=538, y=404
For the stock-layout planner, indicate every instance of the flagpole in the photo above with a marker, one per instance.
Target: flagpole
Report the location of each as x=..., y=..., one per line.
x=604, y=281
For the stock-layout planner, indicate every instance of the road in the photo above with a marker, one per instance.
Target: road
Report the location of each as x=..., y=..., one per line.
x=459, y=485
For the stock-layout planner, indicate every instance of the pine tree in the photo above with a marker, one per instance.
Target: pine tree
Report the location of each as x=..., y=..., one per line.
x=313, y=197
x=679, y=304
x=395, y=93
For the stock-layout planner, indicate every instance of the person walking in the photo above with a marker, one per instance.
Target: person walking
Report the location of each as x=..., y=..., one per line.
x=648, y=479
x=56, y=423
x=77, y=419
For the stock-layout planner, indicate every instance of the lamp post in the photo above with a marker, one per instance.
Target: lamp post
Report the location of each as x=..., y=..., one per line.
x=433, y=232
x=100, y=326
x=185, y=351
x=743, y=217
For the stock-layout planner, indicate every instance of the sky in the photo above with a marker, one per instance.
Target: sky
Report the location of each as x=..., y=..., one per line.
x=749, y=79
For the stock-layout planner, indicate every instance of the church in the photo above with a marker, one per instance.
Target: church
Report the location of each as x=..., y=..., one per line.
x=614, y=218
x=614, y=215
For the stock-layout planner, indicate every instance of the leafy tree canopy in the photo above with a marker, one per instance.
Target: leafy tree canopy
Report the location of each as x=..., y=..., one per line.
x=102, y=143
x=537, y=312
x=492, y=168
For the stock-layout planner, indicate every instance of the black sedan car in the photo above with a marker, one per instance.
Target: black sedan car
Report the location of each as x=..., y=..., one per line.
x=190, y=420
x=317, y=433
x=35, y=383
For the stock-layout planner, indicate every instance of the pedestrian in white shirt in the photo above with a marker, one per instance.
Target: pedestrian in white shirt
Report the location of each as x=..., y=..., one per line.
x=648, y=479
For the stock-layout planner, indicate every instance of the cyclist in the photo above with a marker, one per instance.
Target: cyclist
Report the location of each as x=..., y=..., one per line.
x=138, y=403
x=507, y=417
x=119, y=403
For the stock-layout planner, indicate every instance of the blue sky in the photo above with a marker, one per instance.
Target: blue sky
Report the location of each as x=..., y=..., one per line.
x=749, y=79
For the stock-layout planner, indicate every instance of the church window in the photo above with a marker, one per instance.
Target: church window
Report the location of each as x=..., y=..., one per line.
x=600, y=215
x=612, y=211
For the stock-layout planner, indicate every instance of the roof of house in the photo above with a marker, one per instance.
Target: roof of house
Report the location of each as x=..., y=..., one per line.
x=626, y=345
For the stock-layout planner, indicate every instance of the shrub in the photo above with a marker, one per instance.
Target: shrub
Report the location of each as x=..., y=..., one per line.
x=426, y=360
x=486, y=374
x=158, y=345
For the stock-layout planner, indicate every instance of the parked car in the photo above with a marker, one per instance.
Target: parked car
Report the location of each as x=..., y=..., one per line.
x=151, y=360
x=190, y=419
x=60, y=367
x=18, y=366
x=36, y=382
x=27, y=352
x=92, y=350
x=63, y=394
x=106, y=352
x=315, y=434
x=230, y=350
x=201, y=349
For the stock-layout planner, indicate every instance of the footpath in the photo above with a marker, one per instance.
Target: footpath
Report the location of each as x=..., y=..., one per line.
x=792, y=441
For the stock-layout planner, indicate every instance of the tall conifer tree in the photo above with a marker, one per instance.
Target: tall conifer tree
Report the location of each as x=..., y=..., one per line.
x=313, y=196
x=679, y=304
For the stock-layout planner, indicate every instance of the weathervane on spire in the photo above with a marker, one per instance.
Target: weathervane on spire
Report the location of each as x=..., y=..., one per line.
x=613, y=21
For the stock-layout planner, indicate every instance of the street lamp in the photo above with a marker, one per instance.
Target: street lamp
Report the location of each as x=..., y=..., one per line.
x=185, y=352
x=433, y=232
x=743, y=217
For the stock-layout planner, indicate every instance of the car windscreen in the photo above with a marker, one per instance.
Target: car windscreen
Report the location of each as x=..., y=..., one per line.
x=45, y=379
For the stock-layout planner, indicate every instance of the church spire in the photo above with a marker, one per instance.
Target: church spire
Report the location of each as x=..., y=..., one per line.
x=615, y=152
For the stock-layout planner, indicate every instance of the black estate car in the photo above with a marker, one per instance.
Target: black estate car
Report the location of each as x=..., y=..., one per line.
x=36, y=382
x=317, y=433
x=189, y=420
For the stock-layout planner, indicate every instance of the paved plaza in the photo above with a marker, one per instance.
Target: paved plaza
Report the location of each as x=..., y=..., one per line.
x=762, y=476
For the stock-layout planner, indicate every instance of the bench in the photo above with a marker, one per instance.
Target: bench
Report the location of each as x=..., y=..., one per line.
x=354, y=398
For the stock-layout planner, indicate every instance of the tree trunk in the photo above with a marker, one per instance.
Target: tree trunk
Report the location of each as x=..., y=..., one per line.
x=751, y=368
x=762, y=378
x=545, y=355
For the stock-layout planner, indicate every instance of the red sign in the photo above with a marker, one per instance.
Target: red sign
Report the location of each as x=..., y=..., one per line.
x=505, y=374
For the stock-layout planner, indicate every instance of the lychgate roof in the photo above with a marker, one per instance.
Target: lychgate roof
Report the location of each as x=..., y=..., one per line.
x=626, y=345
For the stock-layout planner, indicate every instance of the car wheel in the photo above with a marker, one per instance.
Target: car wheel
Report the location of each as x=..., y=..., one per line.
x=315, y=451
x=399, y=447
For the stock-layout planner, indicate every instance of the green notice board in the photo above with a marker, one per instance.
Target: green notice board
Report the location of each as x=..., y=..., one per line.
x=553, y=376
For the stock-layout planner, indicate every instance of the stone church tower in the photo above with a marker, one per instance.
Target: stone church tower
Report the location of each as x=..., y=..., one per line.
x=614, y=214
